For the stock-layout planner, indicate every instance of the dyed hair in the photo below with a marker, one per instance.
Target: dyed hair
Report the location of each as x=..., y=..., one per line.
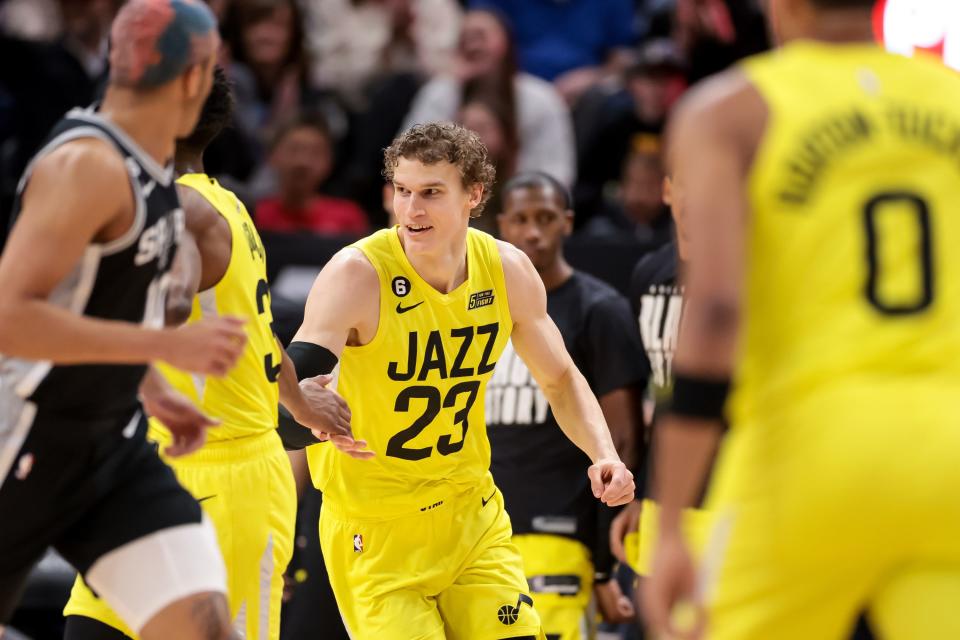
x=155, y=41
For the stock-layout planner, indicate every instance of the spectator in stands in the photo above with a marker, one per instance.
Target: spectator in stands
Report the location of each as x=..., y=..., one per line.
x=270, y=73
x=494, y=122
x=575, y=43
x=302, y=157
x=653, y=82
x=487, y=56
x=354, y=43
x=41, y=80
x=270, y=68
x=638, y=209
x=716, y=33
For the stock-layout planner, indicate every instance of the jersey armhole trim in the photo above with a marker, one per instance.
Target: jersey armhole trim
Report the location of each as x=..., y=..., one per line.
x=163, y=175
x=78, y=133
x=128, y=237
x=499, y=280
x=381, y=307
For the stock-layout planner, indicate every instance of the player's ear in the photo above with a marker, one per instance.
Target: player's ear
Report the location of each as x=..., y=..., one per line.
x=567, y=223
x=476, y=194
x=194, y=79
x=667, y=196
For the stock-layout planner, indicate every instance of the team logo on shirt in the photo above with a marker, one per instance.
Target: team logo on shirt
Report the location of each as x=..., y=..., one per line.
x=508, y=613
x=480, y=299
x=357, y=543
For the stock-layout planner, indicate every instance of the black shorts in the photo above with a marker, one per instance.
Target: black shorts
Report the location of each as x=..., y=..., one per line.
x=85, y=498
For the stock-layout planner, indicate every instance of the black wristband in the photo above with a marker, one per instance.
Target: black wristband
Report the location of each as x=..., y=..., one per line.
x=311, y=359
x=601, y=577
x=699, y=397
x=294, y=435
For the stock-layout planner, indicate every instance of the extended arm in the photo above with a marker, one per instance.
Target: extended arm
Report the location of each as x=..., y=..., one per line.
x=78, y=195
x=342, y=309
x=713, y=139
x=539, y=343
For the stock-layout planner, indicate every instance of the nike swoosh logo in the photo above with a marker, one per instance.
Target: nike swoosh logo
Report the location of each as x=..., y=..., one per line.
x=485, y=501
x=207, y=498
x=401, y=309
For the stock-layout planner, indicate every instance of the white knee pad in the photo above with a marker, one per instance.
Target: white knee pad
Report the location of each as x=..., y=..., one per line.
x=142, y=577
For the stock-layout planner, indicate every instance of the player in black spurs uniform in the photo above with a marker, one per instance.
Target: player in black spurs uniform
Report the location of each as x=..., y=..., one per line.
x=561, y=531
x=82, y=287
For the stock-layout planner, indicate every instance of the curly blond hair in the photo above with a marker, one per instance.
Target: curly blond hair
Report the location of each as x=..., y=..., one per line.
x=438, y=141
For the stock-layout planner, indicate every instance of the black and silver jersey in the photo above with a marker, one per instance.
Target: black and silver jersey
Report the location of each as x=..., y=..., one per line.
x=124, y=279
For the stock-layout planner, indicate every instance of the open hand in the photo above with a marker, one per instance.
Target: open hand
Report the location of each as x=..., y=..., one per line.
x=186, y=423
x=211, y=346
x=328, y=417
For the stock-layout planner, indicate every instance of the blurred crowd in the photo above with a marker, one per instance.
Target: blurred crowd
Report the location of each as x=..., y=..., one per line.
x=579, y=89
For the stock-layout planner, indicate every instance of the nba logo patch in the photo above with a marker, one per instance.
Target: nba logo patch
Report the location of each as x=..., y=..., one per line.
x=357, y=543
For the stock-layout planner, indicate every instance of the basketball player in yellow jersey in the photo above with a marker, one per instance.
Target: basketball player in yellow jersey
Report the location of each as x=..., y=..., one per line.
x=416, y=540
x=241, y=476
x=824, y=281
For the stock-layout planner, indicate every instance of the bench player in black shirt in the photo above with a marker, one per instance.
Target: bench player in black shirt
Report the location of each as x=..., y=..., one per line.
x=82, y=288
x=559, y=527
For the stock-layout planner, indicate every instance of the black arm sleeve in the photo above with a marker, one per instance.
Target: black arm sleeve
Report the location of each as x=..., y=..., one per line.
x=603, y=559
x=309, y=360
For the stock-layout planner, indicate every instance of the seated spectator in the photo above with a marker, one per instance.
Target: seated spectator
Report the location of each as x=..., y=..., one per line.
x=493, y=122
x=574, y=43
x=353, y=43
x=270, y=69
x=486, y=55
x=41, y=79
x=302, y=158
x=653, y=82
x=638, y=207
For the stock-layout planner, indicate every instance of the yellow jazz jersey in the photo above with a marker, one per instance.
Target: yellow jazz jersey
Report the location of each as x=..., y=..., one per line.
x=416, y=390
x=245, y=401
x=853, y=273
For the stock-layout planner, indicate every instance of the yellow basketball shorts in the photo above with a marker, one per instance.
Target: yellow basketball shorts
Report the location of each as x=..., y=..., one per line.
x=560, y=574
x=246, y=487
x=450, y=571
x=835, y=508
x=640, y=544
